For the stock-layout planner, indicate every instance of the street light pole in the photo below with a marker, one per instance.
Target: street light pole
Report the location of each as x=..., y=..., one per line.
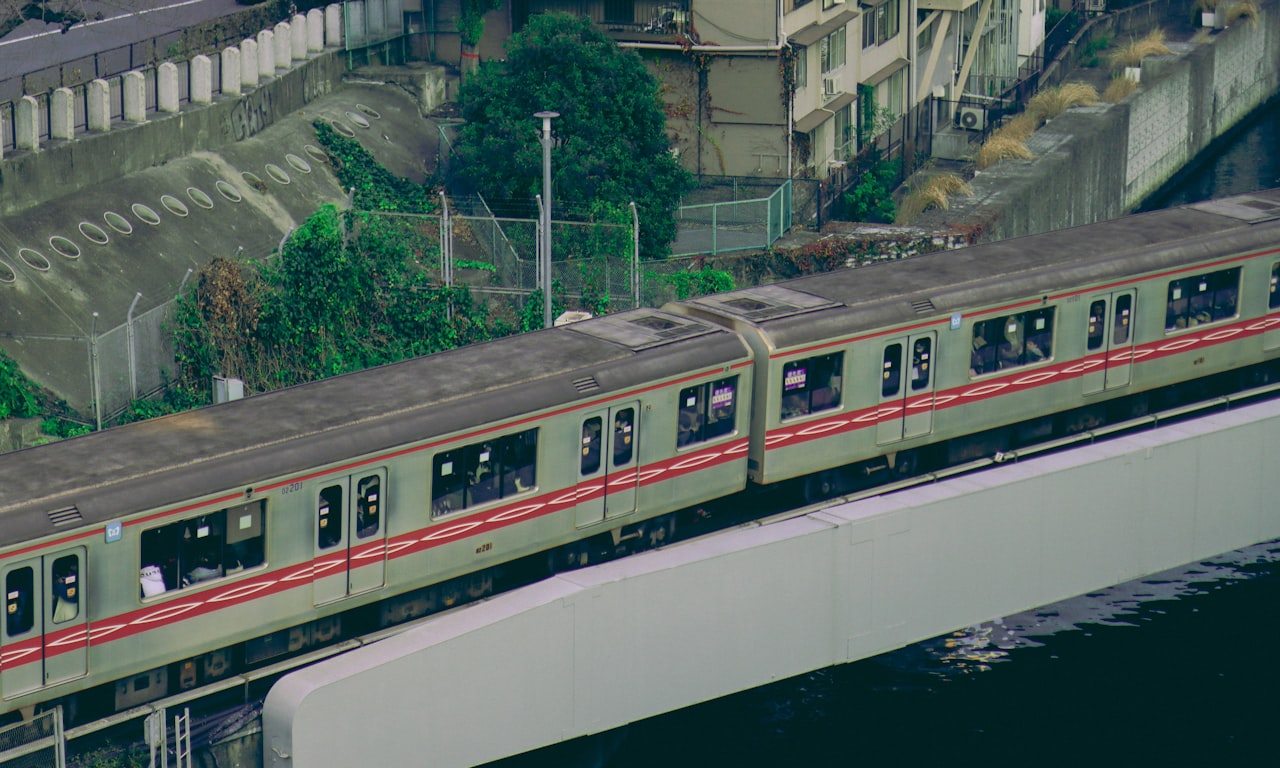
x=546, y=117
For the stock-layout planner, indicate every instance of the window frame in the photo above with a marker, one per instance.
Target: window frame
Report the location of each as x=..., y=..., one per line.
x=1204, y=298
x=707, y=411
x=1029, y=344
x=508, y=459
x=817, y=373
x=238, y=533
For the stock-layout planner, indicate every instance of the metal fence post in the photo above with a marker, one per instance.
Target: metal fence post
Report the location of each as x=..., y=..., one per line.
x=635, y=254
x=133, y=358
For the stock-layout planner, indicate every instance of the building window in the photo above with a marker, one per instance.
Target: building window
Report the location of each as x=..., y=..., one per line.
x=844, y=131
x=482, y=472
x=833, y=50
x=802, y=67
x=881, y=24
x=1012, y=341
x=1274, y=301
x=1202, y=299
x=706, y=411
x=202, y=548
x=812, y=385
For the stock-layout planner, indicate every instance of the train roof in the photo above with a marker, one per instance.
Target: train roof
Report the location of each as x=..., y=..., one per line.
x=806, y=310
x=106, y=475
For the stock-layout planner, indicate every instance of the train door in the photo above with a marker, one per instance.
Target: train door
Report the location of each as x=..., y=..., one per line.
x=608, y=458
x=1110, y=333
x=907, y=381
x=43, y=640
x=351, y=536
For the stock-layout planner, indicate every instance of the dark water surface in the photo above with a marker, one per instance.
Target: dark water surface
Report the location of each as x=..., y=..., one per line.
x=1179, y=669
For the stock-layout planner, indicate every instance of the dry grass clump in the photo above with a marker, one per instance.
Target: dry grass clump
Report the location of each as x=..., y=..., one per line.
x=934, y=192
x=1019, y=127
x=1132, y=53
x=1000, y=147
x=1245, y=9
x=1119, y=89
x=1052, y=102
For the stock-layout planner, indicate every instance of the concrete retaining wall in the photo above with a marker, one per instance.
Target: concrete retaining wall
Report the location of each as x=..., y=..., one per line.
x=1098, y=163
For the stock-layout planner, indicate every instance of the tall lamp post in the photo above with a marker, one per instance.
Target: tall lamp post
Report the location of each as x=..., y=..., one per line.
x=546, y=116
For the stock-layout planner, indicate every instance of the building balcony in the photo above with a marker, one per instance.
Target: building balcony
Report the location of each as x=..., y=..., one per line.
x=659, y=21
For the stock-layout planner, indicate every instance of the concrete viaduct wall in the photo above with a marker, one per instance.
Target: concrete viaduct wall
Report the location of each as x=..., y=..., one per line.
x=1098, y=163
x=595, y=649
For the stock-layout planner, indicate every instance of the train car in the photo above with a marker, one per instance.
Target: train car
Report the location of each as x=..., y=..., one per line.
x=161, y=555
x=954, y=355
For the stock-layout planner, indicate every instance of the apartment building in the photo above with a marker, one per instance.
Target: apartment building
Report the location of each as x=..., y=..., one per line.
x=796, y=88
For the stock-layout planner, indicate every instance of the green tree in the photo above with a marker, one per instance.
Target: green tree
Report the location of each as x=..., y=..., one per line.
x=611, y=142
x=470, y=23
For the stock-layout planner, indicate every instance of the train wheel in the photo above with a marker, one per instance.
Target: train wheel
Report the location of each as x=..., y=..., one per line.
x=906, y=463
x=821, y=486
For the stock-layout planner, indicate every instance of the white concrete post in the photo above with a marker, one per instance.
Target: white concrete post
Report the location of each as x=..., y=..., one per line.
x=134, y=86
x=231, y=71
x=283, y=48
x=315, y=30
x=355, y=27
x=333, y=25
x=62, y=115
x=167, y=87
x=248, y=64
x=201, y=80
x=266, y=54
x=26, y=123
x=298, y=37
x=98, y=110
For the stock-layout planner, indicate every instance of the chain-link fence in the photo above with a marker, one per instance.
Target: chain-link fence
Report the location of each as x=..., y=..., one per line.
x=733, y=225
x=35, y=743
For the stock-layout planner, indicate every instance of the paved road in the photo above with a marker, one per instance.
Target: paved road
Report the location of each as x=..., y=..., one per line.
x=36, y=45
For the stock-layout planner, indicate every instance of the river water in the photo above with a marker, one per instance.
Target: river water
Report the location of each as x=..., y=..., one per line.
x=1176, y=669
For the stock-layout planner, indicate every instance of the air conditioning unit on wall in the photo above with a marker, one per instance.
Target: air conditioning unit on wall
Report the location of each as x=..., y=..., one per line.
x=831, y=86
x=972, y=118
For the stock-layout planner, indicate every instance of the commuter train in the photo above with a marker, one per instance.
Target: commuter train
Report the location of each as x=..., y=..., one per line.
x=159, y=556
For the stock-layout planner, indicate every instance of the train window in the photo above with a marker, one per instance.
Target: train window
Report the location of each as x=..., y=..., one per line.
x=1202, y=299
x=483, y=472
x=65, y=592
x=1011, y=341
x=19, y=591
x=921, y=351
x=368, y=506
x=812, y=385
x=591, y=445
x=1275, y=285
x=1097, y=324
x=202, y=548
x=1120, y=322
x=706, y=411
x=329, y=517
x=891, y=371
x=623, y=445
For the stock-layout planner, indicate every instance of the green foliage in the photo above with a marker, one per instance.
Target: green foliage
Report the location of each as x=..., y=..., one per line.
x=703, y=282
x=375, y=188
x=611, y=143
x=1091, y=52
x=63, y=428
x=348, y=291
x=19, y=396
x=531, y=317
x=474, y=264
x=470, y=21
x=871, y=198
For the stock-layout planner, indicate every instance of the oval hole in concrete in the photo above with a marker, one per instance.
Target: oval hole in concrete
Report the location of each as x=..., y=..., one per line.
x=94, y=232
x=228, y=191
x=7, y=275
x=118, y=222
x=298, y=163
x=277, y=173
x=64, y=246
x=199, y=198
x=34, y=259
x=175, y=206
x=145, y=213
